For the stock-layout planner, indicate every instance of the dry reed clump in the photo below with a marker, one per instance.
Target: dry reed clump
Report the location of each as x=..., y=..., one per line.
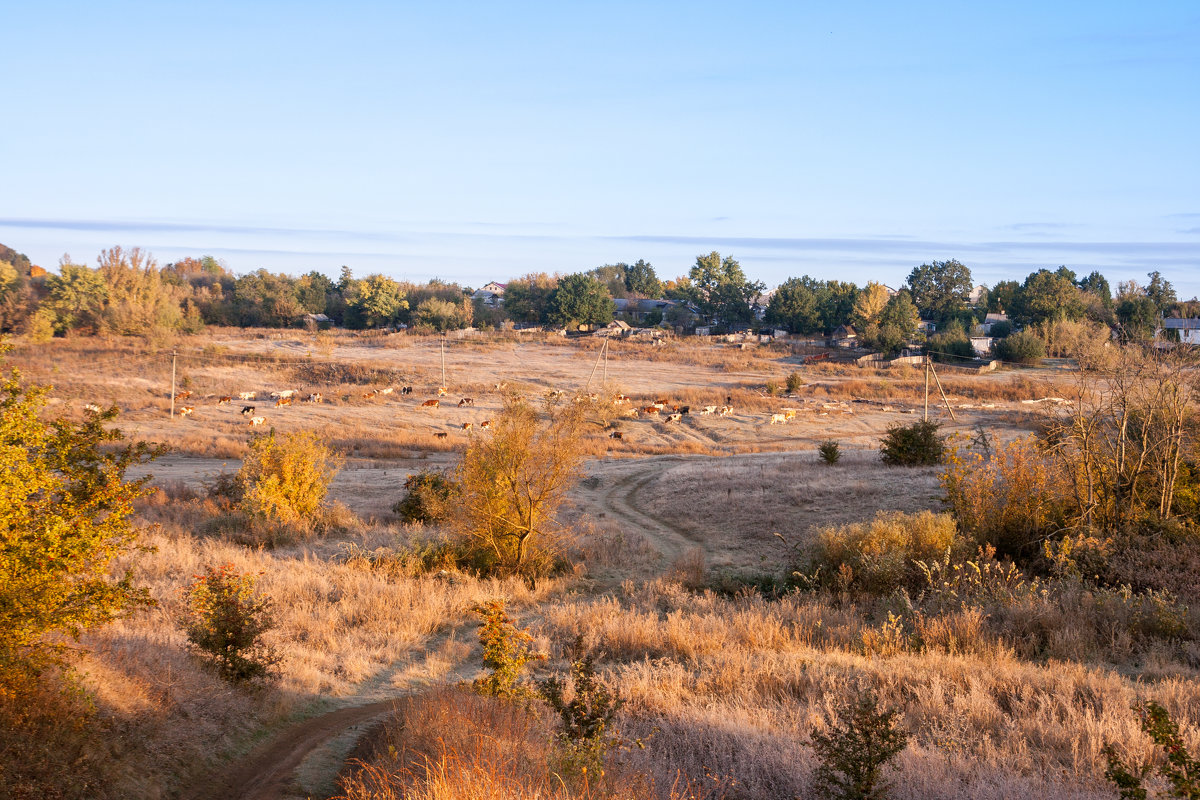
x=451, y=745
x=880, y=555
x=731, y=686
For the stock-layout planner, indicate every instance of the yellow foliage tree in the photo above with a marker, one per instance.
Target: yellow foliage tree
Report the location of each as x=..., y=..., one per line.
x=514, y=479
x=285, y=478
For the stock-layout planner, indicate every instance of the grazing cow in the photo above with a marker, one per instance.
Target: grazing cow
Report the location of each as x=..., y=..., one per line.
x=429, y=404
x=183, y=395
x=256, y=421
x=406, y=390
x=501, y=386
x=315, y=397
x=283, y=401
x=778, y=418
x=729, y=400
x=684, y=409
x=440, y=435
x=487, y=423
x=247, y=411
x=554, y=394
x=283, y=394
x=616, y=435
x=443, y=391
x=466, y=426
x=185, y=410
x=388, y=390
x=631, y=412
x=369, y=395
x=725, y=411
x=225, y=398
x=790, y=413
x=466, y=401
x=708, y=410
x=622, y=399
x=650, y=410
x=674, y=417
x=660, y=403
x=92, y=407
x=247, y=395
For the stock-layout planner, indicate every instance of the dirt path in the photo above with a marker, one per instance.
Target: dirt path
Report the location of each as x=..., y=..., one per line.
x=268, y=771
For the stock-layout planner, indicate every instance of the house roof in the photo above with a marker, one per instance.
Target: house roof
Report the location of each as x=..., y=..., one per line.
x=1181, y=324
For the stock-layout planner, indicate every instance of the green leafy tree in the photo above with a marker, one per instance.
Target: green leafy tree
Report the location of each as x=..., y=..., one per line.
x=76, y=297
x=721, y=290
x=835, y=303
x=1003, y=297
x=794, y=306
x=1046, y=296
x=940, y=289
x=65, y=508
x=1160, y=291
x=1096, y=285
x=915, y=445
x=263, y=299
x=1025, y=347
x=580, y=299
x=900, y=313
x=441, y=315
x=641, y=280
x=1136, y=311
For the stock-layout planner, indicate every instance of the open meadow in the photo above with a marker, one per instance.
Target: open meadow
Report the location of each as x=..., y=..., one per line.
x=690, y=571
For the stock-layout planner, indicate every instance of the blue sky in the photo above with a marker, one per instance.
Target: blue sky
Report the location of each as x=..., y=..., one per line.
x=476, y=141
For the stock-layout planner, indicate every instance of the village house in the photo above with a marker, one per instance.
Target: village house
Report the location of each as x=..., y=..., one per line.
x=492, y=294
x=1187, y=329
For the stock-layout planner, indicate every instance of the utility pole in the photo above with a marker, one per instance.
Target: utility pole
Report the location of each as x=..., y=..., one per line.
x=945, y=399
x=173, y=354
x=606, y=341
x=444, y=362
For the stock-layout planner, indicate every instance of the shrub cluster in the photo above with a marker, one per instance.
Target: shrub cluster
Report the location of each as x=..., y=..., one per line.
x=881, y=555
x=226, y=620
x=915, y=445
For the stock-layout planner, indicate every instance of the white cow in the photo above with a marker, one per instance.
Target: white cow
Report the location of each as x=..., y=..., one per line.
x=247, y=395
x=254, y=421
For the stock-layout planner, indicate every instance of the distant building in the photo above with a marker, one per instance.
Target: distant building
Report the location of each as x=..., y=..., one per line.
x=492, y=294
x=1188, y=329
x=927, y=326
x=992, y=319
x=758, y=306
x=845, y=336
x=976, y=293
x=982, y=344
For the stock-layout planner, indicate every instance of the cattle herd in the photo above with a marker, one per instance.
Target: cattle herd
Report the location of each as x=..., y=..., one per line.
x=661, y=408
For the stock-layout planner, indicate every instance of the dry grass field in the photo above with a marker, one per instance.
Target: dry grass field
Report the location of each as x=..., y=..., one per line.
x=724, y=683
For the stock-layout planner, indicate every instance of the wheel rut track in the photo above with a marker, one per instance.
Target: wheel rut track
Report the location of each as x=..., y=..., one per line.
x=267, y=771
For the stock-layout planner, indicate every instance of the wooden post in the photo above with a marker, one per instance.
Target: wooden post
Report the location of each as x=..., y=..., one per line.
x=444, y=361
x=945, y=399
x=927, y=367
x=173, y=384
x=606, y=341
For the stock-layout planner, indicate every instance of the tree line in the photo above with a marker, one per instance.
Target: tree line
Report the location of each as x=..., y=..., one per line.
x=128, y=293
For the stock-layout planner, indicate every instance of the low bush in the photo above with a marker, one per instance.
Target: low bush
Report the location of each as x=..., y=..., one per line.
x=915, y=445
x=506, y=651
x=881, y=555
x=794, y=382
x=430, y=498
x=585, y=733
x=1025, y=347
x=285, y=478
x=830, y=451
x=1177, y=767
x=225, y=622
x=855, y=750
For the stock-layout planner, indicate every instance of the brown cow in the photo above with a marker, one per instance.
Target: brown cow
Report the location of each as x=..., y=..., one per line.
x=185, y=410
x=183, y=395
x=369, y=395
x=283, y=401
x=466, y=401
x=466, y=426
x=443, y=391
x=227, y=398
x=650, y=410
x=487, y=423
x=429, y=404
x=616, y=435
x=440, y=435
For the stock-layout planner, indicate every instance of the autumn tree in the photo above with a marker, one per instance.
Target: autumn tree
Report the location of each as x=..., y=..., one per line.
x=75, y=297
x=512, y=481
x=375, y=301
x=138, y=300
x=65, y=508
x=869, y=304
x=526, y=299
